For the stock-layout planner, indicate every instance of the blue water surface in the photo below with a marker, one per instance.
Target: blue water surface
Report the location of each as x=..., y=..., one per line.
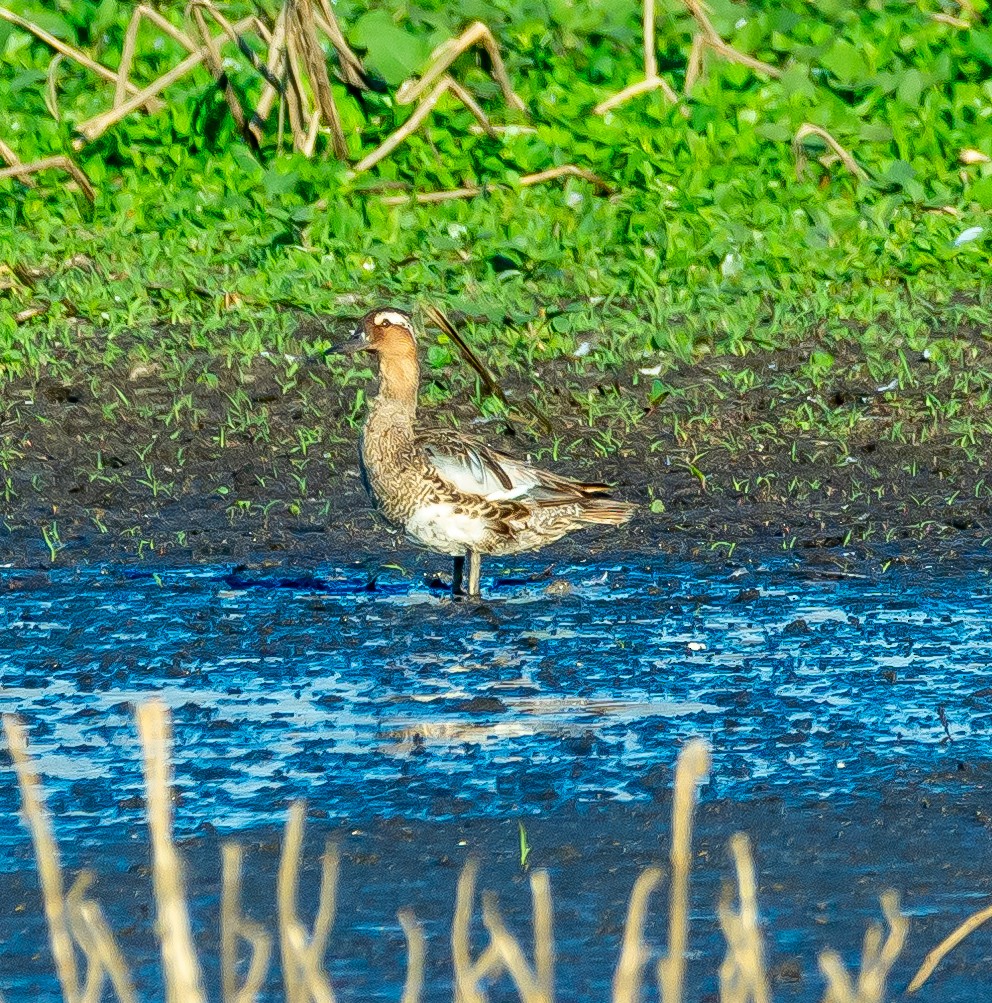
x=401, y=702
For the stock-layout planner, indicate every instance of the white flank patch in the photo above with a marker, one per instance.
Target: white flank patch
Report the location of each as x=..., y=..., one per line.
x=440, y=528
x=509, y=494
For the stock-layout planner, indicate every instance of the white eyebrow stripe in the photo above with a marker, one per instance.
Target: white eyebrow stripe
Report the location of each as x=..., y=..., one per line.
x=391, y=317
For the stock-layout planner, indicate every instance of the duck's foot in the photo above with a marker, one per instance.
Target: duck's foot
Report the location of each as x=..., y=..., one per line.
x=538, y=576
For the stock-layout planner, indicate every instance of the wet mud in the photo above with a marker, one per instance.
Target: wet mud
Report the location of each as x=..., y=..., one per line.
x=259, y=462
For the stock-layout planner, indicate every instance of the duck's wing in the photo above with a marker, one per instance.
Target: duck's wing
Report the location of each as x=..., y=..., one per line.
x=474, y=468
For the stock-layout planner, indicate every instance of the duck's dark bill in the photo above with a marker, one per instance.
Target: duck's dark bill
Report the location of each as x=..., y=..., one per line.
x=356, y=343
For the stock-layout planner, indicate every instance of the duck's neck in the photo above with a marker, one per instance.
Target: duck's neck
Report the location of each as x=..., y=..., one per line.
x=396, y=401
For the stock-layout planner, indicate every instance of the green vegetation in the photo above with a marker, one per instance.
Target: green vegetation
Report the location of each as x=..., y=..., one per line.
x=726, y=262
x=709, y=244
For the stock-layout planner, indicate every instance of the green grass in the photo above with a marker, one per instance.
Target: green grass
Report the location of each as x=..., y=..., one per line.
x=710, y=244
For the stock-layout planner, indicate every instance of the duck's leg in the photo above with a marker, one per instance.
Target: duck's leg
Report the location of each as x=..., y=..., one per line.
x=474, y=572
x=456, y=576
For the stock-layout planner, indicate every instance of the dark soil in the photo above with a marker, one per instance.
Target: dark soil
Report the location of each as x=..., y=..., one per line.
x=110, y=467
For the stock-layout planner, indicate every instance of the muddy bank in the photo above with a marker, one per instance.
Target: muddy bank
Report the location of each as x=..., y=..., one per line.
x=210, y=462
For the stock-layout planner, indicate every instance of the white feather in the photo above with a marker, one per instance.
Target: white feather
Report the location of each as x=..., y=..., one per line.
x=441, y=528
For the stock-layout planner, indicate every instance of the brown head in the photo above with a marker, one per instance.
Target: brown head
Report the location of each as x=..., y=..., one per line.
x=389, y=334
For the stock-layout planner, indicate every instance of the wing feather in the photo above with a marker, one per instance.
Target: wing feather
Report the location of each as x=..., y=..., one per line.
x=474, y=468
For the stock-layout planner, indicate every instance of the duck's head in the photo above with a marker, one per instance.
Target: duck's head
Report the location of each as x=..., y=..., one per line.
x=387, y=331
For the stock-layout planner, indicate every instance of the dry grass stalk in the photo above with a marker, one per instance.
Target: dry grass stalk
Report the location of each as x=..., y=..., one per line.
x=10, y=157
x=489, y=382
x=712, y=39
x=552, y=174
x=535, y=985
x=416, y=954
x=64, y=48
x=652, y=81
x=303, y=954
x=878, y=954
x=743, y=977
x=413, y=123
x=99, y=124
x=634, y=952
x=59, y=163
x=297, y=102
x=215, y=63
x=300, y=22
x=93, y=935
x=692, y=766
x=46, y=853
x=707, y=38
x=469, y=973
x=352, y=69
x=274, y=76
x=839, y=153
x=235, y=926
x=446, y=53
x=143, y=12
x=181, y=969
x=934, y=958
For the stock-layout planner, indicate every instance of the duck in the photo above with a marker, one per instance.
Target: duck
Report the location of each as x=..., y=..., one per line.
x=450, y=492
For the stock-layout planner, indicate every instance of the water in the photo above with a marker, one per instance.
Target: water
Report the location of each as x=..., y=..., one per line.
x=398, y=702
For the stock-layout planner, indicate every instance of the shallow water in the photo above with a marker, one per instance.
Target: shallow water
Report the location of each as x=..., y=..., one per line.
x=849, y=719
x=401, y=702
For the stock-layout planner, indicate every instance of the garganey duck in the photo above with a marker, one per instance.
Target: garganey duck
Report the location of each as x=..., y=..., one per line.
x=450, y=492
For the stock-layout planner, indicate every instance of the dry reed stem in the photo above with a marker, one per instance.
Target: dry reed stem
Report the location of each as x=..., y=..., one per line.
x=181, y=969
x=413, y=123
x=934, y=958
x=46, y=853
x=11, y=158
x=878, y=955
x=447, y=52
x=93, y=935
x=708, y=37
x=694, y=65
x=303, y=954
x=275, y=71
x=743, y=977
x=302, y=22
x=489, y=382
x=215, y=62
x=50, y=95
x=430, y=198
x=351, y=66
x=96, y=126
x=143, y=11
x=64, y=48
x=566, y=170
x=234, y=925
x=469, y=973
x=634, y=952
x=799, y=152
x=641, y=87
x=416, y=953
x=535, y=985
x=296, y=97
x=59, y=163
x=692, y=766
x=652, y=81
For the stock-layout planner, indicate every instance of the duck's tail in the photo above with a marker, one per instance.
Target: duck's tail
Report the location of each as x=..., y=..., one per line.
x=606, y=511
